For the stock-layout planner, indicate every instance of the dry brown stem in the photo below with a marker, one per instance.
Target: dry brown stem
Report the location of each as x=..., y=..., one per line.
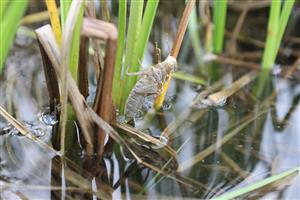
x=103, y=104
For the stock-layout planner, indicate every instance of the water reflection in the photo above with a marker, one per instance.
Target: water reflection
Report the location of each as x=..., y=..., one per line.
x=219, y=149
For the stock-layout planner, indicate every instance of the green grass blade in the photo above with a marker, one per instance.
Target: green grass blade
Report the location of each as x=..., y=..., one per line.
x=64, y=8
x=268, y=56
x=3, y=6
x=119, y=56
x=8, y=27
x=258, y=185
x=135, y=18
x=284, y=16
x=74, y=53
x=140, y=46
x=219, y=18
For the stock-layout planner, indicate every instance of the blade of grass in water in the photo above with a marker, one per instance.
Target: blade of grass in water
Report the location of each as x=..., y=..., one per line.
x=140, y=46
x=69, y=33
x=8, y=25
x=284, y=16
x=260, y=184
x=175, y=49
x=143, y=35
x=276, y=27
x=136, y=10
x=219, y=18
x=272, y=35
x=119, y=57
x=74, y=52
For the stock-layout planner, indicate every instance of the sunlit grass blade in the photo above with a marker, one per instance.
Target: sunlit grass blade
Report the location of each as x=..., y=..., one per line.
x=273, y=24
x=8, y=26
x=74, y=53
x=119, y=57
x=135, y=18
x=260, y=184
x=3, y=7
x=64, y=8
x=219, y=18
x=284, y=16
x=276, y=27
x=140, y=46
x=54, y=18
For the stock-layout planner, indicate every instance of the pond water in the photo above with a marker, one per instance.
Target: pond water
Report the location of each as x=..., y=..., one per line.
x=218, y=148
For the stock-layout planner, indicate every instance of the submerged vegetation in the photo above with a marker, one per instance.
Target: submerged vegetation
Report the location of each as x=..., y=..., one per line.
x=149, y=99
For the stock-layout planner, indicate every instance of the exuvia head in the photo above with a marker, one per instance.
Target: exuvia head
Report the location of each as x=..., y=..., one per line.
x=171, y=63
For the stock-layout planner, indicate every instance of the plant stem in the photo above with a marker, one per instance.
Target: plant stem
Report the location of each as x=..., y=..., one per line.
x=119, y=57
x=284, y=16
x=175, y=49
x=272, y=35
x=219, y=17
x=8, y=26
x=136, y=10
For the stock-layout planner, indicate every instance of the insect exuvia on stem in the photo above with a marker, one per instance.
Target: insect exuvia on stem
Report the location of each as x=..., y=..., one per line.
x=150, y=83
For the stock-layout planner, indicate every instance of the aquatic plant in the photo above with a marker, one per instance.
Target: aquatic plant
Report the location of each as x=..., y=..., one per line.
x=10, y=14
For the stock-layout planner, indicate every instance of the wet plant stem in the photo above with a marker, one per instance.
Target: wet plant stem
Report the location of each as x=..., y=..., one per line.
x=65, y=61
x=8, y=25
x=219, y=18
x=175, y=49
x=119, y=58
x=277, y=24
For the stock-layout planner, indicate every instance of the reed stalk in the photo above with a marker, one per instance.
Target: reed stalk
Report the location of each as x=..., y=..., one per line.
x=119, y=58
x=135, y=18
x=276, y=27
x=268, y=56
x=175, y=49
x=219, y=18
x=139, y=29
x=260, y=184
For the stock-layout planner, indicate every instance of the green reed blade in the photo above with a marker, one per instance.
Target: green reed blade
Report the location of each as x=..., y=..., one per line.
x=135, y=18
x=273, y=24
x=140, y=46
x=259, y=184
x=284, y=16
x=8, y=26
x=219, y=18
x=119, y=57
